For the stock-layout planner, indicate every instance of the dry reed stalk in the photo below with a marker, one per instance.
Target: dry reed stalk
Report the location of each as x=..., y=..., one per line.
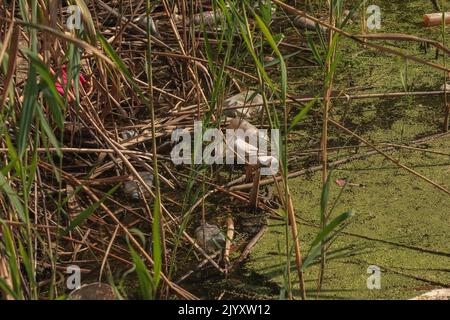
x=4, y=274
x=229, y=240
x=183, y=293
x=329, y=75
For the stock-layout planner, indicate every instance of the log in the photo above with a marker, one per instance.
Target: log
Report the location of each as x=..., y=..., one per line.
x=435, y=19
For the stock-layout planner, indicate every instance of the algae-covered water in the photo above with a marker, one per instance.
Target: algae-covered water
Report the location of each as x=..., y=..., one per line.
x=392, y=207
x=401, y=223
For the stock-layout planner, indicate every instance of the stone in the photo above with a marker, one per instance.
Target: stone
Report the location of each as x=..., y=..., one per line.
x=306, y=23
x=209, y=18
x=93, y=291
x=129, y=134
x=209, y=237
x=131, y=188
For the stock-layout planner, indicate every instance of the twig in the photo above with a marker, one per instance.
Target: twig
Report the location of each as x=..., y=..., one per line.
x=248, y=248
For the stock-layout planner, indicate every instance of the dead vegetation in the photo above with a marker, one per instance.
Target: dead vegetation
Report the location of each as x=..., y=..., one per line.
x=87, y=175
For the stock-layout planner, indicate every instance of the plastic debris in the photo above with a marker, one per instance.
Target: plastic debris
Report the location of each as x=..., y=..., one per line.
x=244, y=148
x=250, y=147
x=249, y=130
x=244, y=104
x=238, y=123
x=61, y=86
x=445, y=87
x=270, y=165
x=209, y=237
x=435, y=19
